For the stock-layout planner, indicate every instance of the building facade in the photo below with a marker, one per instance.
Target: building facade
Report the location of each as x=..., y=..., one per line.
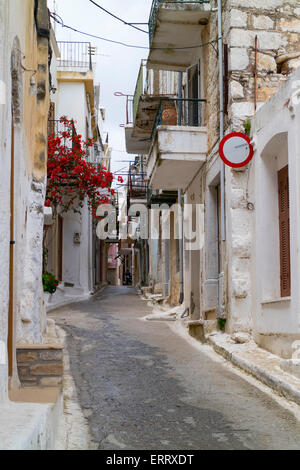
x=74, y=253
x=24, y=82
x=246, y=52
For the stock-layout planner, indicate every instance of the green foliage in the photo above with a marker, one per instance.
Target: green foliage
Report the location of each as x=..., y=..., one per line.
x=49, y=283
x=247, y=127
x=221, y=323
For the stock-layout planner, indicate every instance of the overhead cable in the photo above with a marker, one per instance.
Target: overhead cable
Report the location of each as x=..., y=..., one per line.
x=134, y=46
x=117, y=18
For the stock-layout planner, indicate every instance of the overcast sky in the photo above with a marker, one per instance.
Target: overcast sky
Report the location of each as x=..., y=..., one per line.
x=117, y=66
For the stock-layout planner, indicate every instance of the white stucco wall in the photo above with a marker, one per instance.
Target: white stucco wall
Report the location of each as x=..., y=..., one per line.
x=77, y=258
x=277, y=140
x=29, y=311
x=72, y=104
x=4, y=197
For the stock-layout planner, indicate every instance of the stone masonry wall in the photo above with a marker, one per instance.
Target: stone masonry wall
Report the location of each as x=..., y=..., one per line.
x=40, y=365
x=276, y=23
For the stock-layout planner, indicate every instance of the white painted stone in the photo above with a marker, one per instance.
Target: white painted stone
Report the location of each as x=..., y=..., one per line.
x=238, y=200
x=242, y=109
x=238, y=59
x=266, y=39
x=238, y=18
x=292, y=366
x=241, y=288
x=240, y=38
x=48, y=215
x=263, y=22
x=290, y=66
x=241, y=246
x=270, y=40
x=258, y=4
x=236, y=90
x=241, y=338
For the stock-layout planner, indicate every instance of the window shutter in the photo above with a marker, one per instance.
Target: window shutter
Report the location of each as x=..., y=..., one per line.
x=284, y=231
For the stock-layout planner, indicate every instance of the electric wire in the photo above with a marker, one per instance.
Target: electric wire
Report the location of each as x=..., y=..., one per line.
x=134, y=46
x=117, y=18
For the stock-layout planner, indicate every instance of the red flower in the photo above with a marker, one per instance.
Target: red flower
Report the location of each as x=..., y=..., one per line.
x=70, y=177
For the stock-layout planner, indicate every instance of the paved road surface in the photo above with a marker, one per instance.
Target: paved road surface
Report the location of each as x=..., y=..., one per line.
x=141, y=386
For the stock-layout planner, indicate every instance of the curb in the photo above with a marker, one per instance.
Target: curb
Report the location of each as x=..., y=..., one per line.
x=271, y=380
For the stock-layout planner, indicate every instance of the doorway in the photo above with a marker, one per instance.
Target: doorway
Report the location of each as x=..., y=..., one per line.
x=194, y=93
x=10, y=341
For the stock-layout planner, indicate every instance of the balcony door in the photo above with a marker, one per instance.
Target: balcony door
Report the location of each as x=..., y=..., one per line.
x=194, y=92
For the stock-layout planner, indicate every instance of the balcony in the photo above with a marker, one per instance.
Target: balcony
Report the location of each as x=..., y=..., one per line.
x=75, y=56
x=179, y=144
x=137, y=185
x=151, y=87
x=173, y=25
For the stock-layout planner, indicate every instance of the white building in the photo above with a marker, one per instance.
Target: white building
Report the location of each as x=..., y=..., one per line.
x=274, y=182
x=181, y=135
x=24, y=107
x=75, y=254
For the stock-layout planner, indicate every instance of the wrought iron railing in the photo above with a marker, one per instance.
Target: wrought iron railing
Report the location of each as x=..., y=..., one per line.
x=179, y=112
x=58, y=128
x=154, y=12
x=76, y=56
x=137, y=184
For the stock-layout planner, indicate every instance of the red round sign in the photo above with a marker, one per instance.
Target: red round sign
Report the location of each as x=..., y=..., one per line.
x=236, y=150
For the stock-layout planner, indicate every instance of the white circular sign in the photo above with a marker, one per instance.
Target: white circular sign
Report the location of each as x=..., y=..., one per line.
x=236, y=150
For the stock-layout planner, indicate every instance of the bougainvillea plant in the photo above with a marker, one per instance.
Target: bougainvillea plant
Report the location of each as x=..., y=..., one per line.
x=72, y=179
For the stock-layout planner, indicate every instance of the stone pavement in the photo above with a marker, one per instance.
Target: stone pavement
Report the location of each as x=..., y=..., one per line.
x=142, y=386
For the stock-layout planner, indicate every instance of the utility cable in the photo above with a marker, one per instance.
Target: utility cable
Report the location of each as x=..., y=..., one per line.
x=134, y=46
x=117, y=18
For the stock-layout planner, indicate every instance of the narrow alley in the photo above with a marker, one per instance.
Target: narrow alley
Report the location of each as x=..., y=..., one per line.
x=137, y=392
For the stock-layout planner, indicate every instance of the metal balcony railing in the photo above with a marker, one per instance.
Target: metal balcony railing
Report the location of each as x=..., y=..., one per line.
x=75, y=56
x=154, y=12
x=139, y=89
x=179, y=112
x=57, y=128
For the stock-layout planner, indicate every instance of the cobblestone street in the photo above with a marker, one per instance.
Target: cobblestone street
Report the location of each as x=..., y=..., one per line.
x=141, y=386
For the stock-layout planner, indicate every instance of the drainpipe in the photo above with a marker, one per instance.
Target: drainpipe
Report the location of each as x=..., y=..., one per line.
x=147, y=262
x=180, y=223
x=133, y=265
x=139, y=253
x=221, y=72
x=180, y=218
